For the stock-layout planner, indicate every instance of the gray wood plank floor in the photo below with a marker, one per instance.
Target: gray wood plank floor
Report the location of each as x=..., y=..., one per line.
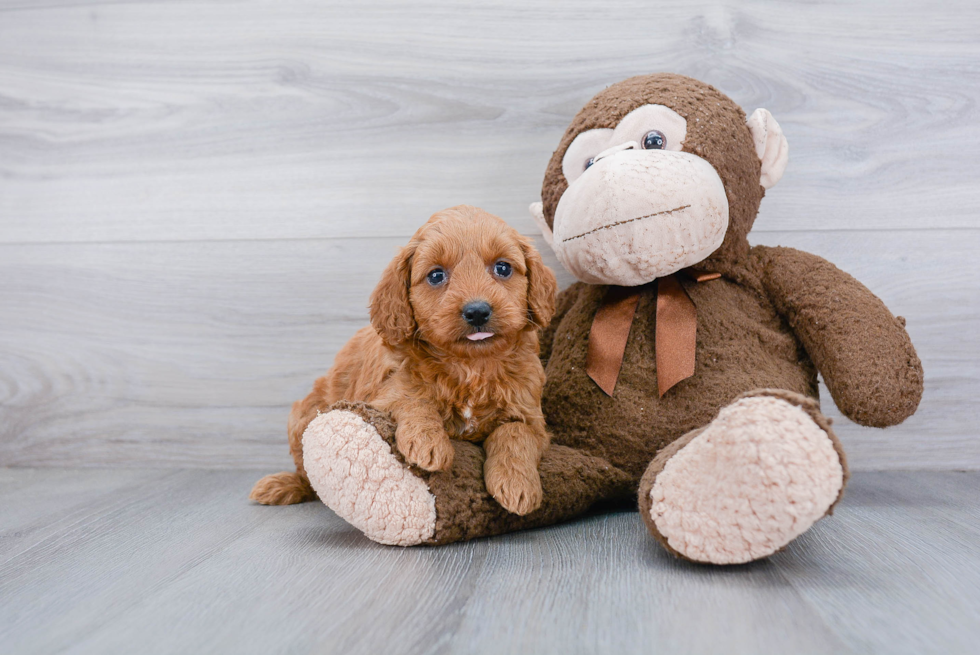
x=178, y=561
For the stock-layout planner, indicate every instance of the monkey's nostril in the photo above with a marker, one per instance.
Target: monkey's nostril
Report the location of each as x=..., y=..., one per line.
x=477, y=313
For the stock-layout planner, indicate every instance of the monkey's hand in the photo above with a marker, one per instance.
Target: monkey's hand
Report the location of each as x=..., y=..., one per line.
x=863, y=351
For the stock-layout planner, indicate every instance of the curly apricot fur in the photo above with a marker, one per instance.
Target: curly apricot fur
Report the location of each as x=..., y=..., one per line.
x=416, y=362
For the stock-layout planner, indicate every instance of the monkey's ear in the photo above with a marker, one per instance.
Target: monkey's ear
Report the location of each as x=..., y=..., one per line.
x=391, y=311
x=770, y=146
x=542, y=287
x=537, y=213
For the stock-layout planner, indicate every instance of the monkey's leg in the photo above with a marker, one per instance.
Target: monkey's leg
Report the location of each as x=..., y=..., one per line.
x=358, y=472
x=744, y=486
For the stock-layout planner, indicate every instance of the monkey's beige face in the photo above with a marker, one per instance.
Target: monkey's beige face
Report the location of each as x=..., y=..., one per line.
x=637, y=207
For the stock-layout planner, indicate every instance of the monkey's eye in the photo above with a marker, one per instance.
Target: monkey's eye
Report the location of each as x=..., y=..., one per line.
x=502, y=270
x=436, y=277
x=654, y=140
x=589, y=163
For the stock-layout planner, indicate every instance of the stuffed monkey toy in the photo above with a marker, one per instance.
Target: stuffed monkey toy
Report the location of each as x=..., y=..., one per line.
x=681, y=367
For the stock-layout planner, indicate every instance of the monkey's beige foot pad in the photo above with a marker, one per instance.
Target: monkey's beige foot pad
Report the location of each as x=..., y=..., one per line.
x=355, y=473
x=753, y=480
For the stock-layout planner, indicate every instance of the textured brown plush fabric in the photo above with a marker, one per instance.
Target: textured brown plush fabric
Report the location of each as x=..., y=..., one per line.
x=864, y=353
x=572, y=483
x=774, y=318
x=742, y=344
x=746, y=340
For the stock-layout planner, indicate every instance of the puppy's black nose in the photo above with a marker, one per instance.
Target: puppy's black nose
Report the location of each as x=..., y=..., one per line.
x=477, y=313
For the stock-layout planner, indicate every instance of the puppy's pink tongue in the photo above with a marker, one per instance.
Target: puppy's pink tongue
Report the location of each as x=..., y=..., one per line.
x=479, y=336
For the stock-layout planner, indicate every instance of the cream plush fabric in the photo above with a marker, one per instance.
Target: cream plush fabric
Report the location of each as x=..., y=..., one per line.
x=756, y=478
x=355, y=473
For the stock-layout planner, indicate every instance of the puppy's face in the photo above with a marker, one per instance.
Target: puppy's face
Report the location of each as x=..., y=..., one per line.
x=467, y=283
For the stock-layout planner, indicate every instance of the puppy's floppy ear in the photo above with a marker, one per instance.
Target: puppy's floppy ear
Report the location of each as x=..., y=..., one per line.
x=542, y=287
x=391, y=311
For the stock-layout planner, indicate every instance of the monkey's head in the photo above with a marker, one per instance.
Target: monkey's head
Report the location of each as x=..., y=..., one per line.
x=655, y=174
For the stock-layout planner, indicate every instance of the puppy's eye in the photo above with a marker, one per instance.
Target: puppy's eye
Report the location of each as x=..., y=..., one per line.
x=589, y=162
x=654, y=140
x=502, y=269
x=436, y=277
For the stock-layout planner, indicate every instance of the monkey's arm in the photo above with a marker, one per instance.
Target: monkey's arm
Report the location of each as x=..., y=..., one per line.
x=566, y=299
x=862, y=350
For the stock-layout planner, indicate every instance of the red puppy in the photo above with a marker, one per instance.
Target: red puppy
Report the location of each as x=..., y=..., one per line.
x=452, y=353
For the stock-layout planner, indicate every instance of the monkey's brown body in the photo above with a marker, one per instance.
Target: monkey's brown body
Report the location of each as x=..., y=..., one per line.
x=743, y=343
x=736, y=460
x=735, y=324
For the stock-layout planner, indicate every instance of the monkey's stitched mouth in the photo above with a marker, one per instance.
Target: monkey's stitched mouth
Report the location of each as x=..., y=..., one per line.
x=630, y=220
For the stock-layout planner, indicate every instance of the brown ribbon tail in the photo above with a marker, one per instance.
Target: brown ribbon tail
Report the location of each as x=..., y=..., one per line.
x=608, y=336
x=699, y=275
x=677, y=326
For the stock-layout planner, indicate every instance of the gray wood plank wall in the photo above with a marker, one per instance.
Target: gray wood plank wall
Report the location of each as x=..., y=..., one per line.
x=197, y=198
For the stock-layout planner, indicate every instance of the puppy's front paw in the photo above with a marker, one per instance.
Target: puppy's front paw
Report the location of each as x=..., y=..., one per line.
x=516, y=488
x=428, y=449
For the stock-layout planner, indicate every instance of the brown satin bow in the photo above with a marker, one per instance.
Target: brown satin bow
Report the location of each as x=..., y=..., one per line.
x=676, y=333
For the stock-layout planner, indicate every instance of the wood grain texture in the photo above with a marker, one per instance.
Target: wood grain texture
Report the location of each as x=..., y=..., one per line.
x=216, y=120
x=196, y=198
x=189, y=354
x=872, y=554
x=183, y=563
x=39, y=503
